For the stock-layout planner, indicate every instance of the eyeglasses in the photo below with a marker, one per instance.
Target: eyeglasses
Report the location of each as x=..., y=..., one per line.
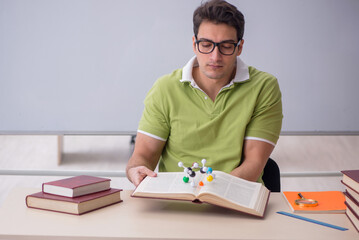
x=206, y=46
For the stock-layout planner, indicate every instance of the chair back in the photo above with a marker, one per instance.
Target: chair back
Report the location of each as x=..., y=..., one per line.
x=271, y=176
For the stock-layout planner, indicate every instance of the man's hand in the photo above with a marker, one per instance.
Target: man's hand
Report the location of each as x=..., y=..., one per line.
x=137, y=174
x=144, y=158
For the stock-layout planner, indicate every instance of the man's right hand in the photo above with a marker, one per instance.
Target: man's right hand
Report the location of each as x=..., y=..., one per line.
x=144, y=159
x=137, y=174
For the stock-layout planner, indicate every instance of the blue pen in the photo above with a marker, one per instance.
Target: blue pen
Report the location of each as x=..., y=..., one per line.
x=313, y=221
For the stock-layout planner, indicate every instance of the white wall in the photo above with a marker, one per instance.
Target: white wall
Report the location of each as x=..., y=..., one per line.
x=86, y=65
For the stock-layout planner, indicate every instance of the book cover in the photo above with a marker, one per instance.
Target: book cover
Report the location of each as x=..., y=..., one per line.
x=77, y=205
x=76, y=186
x=225, y=190
x=328, y=201
x=351, y=179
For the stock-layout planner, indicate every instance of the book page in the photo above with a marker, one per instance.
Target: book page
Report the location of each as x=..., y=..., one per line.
x=232, y=188
x=167, y=183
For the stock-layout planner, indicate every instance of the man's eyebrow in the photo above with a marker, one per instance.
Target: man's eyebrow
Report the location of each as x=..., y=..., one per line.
x=224, y=41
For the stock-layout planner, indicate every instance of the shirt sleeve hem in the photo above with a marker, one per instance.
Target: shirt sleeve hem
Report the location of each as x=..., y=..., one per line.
x=260, y=139
x=152, y=135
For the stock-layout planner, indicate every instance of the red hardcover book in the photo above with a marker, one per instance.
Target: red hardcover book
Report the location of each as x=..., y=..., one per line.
x=353, y=194
x=76, y=205
x=351, y=179
x=76, y=186
x=353, y=216
x=352, y=202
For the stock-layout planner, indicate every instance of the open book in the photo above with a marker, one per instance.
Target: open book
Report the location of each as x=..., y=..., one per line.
x=225, y=190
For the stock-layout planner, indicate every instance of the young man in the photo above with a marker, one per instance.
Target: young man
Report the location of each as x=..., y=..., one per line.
x=216, y=107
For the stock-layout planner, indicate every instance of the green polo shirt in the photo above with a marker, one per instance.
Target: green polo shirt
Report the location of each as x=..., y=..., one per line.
x=194, y=127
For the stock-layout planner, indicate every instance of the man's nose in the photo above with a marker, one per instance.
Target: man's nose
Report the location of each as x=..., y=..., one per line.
x=216, y=54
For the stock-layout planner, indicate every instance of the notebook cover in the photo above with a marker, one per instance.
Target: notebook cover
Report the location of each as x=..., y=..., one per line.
x=75, y=182
x=327, y=201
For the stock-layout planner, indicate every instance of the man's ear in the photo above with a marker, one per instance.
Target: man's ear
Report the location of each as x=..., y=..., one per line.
x=194, y=44
x=240, y=47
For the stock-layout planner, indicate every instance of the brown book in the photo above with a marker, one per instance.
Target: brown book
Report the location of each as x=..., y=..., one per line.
x=351, y=179
x=354, y=204
x=76, y=186
x=224, y=190
x=353, y=194
x=76, y=205
x=353, y=216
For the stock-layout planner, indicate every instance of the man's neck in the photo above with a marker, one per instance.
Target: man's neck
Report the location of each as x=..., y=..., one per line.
x=211, y=86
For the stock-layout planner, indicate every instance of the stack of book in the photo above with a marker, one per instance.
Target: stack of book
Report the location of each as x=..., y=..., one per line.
x=351, y=182
x=75, y=195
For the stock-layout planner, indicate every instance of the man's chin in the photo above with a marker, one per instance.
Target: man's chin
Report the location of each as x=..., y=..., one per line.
x=215, y=76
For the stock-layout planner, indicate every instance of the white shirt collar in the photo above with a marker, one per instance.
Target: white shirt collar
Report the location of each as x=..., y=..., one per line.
x=242, y=72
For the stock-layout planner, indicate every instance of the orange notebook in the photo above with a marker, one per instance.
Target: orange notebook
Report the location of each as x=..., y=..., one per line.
x=328, y=202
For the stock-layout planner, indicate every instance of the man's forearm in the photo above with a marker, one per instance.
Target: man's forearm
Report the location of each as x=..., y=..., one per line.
x=249, y=171
x=255, y=157
x=146, y=153
x=137, y=161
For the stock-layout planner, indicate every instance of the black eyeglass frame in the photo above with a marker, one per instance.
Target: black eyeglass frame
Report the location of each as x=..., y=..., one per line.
x=217, y=44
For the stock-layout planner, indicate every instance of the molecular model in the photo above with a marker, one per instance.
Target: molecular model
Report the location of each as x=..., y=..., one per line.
x=190, y=173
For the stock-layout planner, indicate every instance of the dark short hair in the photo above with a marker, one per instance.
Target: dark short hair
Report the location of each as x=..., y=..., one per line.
x=219, y=11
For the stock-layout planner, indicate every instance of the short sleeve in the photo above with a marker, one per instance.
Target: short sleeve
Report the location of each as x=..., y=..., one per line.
x=154, y=120
x=266, y=121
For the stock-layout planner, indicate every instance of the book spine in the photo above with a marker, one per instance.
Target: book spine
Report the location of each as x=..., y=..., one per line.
x=27, y=205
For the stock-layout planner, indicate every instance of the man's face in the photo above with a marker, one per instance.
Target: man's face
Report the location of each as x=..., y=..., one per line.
x=215, y=65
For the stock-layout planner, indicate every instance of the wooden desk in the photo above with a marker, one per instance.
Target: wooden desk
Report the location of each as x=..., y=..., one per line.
x=137, y=218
